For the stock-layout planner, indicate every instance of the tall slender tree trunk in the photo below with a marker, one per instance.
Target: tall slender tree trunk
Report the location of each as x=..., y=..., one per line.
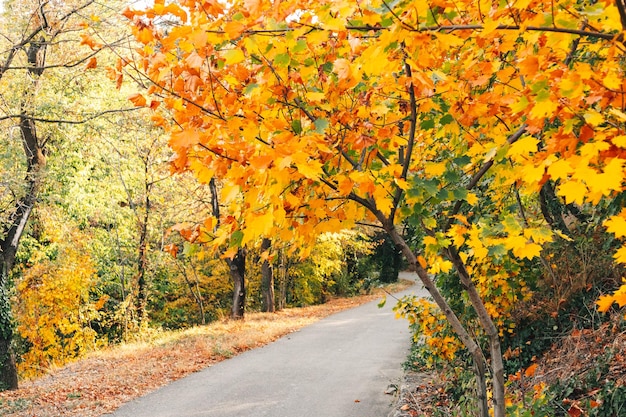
x=237, y=267
x=467, y=340
x=142, y=261
x=8, y=370
x=16, y=224
x=497, y=364
x=267, y=280
x=282, y=280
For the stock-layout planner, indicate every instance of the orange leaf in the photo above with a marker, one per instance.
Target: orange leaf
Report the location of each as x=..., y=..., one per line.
x=145, y=36
x=234, y=29
x=86, y=39
x=92, y=63
x=138, y=100
x=184, y=139
x=574, y=411
x=128, y=13
x=530, y=371
x=172, y=249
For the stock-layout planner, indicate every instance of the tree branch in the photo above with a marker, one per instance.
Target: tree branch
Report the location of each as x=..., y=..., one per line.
x=474, y=27
x=481, y=172
x=71, y=122
x=411, y=141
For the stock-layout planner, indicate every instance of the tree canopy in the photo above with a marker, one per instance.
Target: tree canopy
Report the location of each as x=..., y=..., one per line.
x=468, y=120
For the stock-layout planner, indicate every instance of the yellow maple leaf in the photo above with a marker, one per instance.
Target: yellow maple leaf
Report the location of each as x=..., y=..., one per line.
x=511, y=225
x=616, y=225
x=612, y=176
x=620, y=255
x=306, y=166
x=529, y=251
x=383, y=200
x=619, y=141
x=233, y=56
x=604, y=303
x=560, y=169
x=471, y=198
x=573, y=191
x=593, y=118
x=489, y=26
x=543, y=109
x=478, y=249
x=435, y=169
x=457, y=234
x=437, y=264
x=539, y=235
x=315, y=96
x=523, y=147
x=620, y=296
x=257, y=225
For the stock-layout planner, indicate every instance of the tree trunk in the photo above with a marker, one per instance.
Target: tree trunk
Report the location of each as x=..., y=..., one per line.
x=237, y=267
x=267, y=280
x=8, y=370
x=497, y=364
x=142, y=261
x=453, y=320
x=282, y=280
x=16, y=224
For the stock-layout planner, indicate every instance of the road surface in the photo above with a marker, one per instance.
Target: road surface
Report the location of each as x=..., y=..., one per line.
x=340, y=366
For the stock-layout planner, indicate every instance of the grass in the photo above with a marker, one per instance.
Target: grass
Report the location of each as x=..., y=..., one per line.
x=106, y=379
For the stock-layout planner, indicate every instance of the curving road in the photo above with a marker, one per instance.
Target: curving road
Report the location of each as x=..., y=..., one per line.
x=340, y=366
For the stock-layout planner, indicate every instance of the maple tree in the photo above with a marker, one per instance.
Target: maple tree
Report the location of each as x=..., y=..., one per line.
x=449, y=116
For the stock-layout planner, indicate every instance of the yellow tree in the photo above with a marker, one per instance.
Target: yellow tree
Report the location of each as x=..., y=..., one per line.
x=315, y=115
x=41, y=54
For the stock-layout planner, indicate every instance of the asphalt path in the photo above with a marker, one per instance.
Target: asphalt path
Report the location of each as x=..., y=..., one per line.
x=340, y=366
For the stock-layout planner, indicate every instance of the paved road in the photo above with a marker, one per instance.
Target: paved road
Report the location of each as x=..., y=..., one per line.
x=337, y=367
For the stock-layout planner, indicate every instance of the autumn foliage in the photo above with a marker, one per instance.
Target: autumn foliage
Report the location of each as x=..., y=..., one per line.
x=54, y=309
x=467, y=120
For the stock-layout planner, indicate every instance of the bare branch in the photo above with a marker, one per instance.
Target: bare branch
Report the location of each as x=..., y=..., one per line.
x=71, y=122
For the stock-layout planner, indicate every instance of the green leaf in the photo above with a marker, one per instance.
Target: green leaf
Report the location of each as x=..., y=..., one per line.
x=427, y=124
x=431, y=186
x=382, y=302
x=282, y=60
x=443, y=194
x=446, y=119
x=452, y=177
x=462, y=160
x=460, y=193
x=296, y=125
x=320, y=125
x=249, y=88
x=497, y=251
x=236, y=238
x=300, y=46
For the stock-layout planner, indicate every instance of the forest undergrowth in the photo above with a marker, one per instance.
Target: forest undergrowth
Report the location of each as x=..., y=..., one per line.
x=106, y=379
x=582, y=374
